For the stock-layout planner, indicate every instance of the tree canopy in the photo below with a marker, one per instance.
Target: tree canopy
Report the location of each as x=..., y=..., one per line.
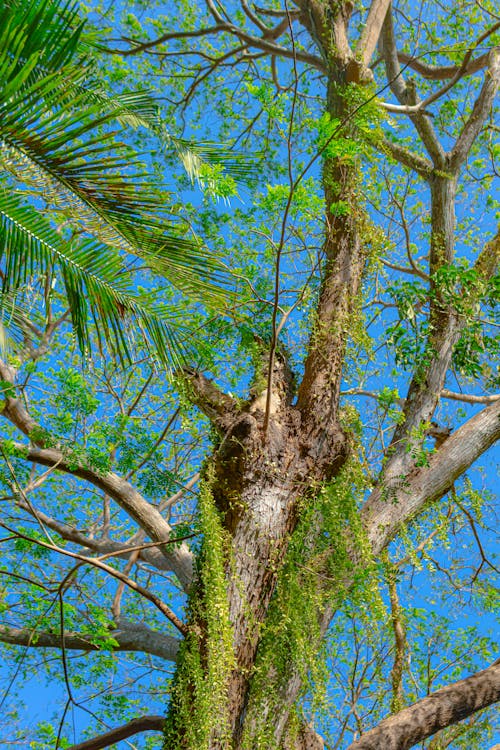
x=249, y=260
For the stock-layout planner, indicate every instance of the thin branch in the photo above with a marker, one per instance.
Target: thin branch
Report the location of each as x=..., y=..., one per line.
x=138, y=47
x=97, y=563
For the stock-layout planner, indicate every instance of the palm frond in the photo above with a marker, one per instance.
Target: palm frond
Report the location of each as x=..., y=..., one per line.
x=78, y=149
x=95, y=280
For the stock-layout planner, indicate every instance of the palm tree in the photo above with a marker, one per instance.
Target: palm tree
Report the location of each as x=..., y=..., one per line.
x=62, y=144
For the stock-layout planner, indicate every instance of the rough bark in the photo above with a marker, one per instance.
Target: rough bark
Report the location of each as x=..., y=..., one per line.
x=274, y=452
x=261, y=473
x=447, y=706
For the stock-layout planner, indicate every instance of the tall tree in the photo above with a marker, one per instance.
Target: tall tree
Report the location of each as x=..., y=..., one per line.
x=276, y=519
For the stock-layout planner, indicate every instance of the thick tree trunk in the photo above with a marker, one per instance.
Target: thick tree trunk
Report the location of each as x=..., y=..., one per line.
x=266, y=464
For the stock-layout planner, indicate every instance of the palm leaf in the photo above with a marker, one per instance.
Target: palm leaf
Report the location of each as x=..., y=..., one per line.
x=95, y=280
x=63, y=138
x=75, y=148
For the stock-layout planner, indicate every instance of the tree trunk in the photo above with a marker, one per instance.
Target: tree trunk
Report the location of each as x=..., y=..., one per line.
x=267, y=465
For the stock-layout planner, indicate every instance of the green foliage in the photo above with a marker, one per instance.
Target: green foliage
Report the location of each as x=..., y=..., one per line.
x=198, y=702
x=58, y=139
x=318, y=572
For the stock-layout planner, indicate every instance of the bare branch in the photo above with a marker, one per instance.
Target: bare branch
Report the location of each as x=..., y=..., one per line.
x=371, y=32
x=129, y=637
x=480, y=112
x=136, y=726
x=389, y=507
x=434, y=712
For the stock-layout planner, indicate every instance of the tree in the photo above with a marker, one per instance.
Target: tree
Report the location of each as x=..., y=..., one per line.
x=282, y=519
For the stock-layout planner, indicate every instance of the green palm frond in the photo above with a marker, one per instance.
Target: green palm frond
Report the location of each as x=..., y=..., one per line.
x=95, y=280
x=137, y=109
x=63, y=138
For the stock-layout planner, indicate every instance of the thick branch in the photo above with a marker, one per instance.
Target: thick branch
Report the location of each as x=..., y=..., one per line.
x=219, y=407
x=132, y=502
x=408, y=158
x=127, y=497
x=434, y=712
x=405, y=94
x=480, y=112
x=371, y=32
x=129, y=637
x=445, y=327
x=143, y=724
x=469, y=398
x=150, y=555
x=384, y=513
x=388, y=508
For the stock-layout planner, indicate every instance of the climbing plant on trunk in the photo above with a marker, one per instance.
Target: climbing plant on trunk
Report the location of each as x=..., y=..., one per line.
x=299, y=514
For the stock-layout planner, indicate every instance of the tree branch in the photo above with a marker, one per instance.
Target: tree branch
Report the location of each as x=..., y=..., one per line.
x=97, y=562
x=133, y=503
x=480, y=111
x=406, y=95
x=219, y=407
x=389, y=507
x=150, y=555
x=434, y=712
x=408, y=158
x=469, y=398
x=129, y=637
x=143, y=724
x=372, y=29
x=128, y=498
x=442, y=72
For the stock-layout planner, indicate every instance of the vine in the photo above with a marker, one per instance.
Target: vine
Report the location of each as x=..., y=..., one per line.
x=328, y=561
x=198, y=707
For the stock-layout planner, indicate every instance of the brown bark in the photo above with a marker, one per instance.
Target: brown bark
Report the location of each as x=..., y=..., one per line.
x=136, y=726
x=274, y=453
x=263, y=468
x=447, y=706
